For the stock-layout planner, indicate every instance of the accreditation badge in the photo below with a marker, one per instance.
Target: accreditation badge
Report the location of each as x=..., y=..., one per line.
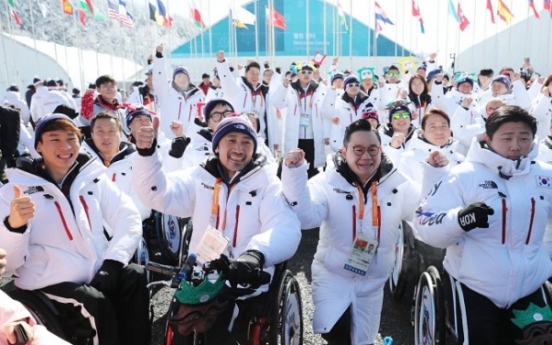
x=361, y=255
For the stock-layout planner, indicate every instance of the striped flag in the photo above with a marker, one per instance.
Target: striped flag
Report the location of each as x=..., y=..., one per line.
x=116, y=9
x=490, y=8
x=504, y=12
x=14, y=13
x=532, y=6
x=342, y=18
x=464, y=22
x=417, y=14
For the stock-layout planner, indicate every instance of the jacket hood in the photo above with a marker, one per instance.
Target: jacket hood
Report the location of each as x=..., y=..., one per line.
x=481, y=153
x=261, y=87
x=341, y=166
x=297, y=86
x=12, y=96
x=357, y=101
x=420, y=143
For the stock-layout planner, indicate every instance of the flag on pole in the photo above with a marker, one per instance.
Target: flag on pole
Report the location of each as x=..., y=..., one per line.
x=86, y=5
x=532, y=6
x=196, y=17
x=275, y=19
x=548, y=6
x=490, y=8
x=380, y=15
x=82, y=17
x=318, y=58
x=452, y=11
x=417, y=14
x=504, y=12
x=342, y=18
x=241, y=16
x=117, y=10
x=464, y=22
x=43, y=8
x=158, y=13
x=67, y=7
x=14, y=13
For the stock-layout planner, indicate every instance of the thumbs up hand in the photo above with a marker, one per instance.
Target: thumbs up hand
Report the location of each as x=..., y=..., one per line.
x=22, y=209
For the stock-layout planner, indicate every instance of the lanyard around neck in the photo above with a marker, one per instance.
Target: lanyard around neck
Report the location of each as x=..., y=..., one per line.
x=375, y=207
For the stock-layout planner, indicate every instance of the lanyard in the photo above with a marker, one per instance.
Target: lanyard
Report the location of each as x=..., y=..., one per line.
x=376, y=216
x=307, y=94
x=215, y=208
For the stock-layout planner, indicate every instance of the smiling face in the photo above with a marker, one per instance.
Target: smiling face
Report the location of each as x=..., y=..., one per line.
x=59, y=149
x=108, y=91
x=417, y=86
x=106, y=135
x=436, y=130
x=512, y=140
x=358, y=154
x=235, y=151
x=400, y=121
x=499, y=88
x=253, y=75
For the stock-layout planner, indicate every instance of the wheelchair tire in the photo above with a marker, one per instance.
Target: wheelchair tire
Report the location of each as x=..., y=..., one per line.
x=399, y=274
x=141, y=256
x=44, y=314
x=286, y=322
x=429, y=312
x=168, y=233
x=174, y=338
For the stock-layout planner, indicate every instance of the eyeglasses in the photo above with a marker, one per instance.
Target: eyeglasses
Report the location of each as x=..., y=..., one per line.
x=306, y=72
x=393, y=74
x=217, y=116
x=403, y=115
x=372, y=151
x=353, y=85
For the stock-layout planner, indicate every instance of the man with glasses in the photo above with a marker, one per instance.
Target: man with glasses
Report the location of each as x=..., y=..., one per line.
x=200, y=148
x=348, y=108
x=303, y=123
x=359, y=205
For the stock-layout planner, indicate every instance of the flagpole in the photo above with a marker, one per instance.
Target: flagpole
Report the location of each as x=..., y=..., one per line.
x=256, y=32
x=325, y=27
x=65, y=43
x=273, y=33
x=210, y=31
x=351, y=33
x=548, y=46
x=412, y=47
x=5, y=59
x=334, y=37
x=527, y=27
x=34, y=40
x=510, y=31
x=307, y=52
x=17, y=78
x=446, y=44
x=474, y=68
x=484, y=38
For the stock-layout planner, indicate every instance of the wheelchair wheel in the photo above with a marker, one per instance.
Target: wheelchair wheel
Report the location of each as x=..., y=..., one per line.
x=141, y=256
x=168, y=232
x=429, y=312
x=398, y=278
x=286, y=325
x=44, y=314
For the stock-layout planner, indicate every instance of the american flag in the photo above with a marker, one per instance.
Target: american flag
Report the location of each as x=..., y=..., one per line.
x=117, y=10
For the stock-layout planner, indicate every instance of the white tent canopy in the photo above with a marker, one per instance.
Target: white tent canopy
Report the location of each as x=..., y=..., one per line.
x=22, y=58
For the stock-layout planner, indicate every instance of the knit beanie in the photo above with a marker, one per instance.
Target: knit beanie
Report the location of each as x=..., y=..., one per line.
x=336, y=76
x=397, y=109
x=350, y=79
x=41, y=124
x=181, y=69
x=132, y=113
x=207, y=108
x=504, y=80
x=464, y=79
x=234, y=124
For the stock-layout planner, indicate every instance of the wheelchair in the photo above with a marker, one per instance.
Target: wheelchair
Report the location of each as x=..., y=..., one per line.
x=438, y=316
x=63, y=320
x=281, y=324
x=164, y=233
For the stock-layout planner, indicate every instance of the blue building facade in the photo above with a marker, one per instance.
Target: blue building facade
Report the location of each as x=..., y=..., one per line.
x=332, y=39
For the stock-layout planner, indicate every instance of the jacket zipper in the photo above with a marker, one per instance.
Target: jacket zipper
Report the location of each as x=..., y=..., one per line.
x=504, y=210
x=179, y=109
x=236, y=226
x=63, y=221
x=114, y=177
x=531, y=221
x=190, y=113
x=85, y=205
x=354, y=222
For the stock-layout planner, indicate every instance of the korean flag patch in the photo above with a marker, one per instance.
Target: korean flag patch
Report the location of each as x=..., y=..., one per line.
x=544, y=181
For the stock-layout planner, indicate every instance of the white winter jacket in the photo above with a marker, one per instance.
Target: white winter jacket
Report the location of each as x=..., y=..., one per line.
x=45, y=101
x=119, y=171
x=14, y=98
x=518, y=96
x=412, y=160
x=65, y=241
x=253, y=214
x=508, y=260
x=542, y=111
x=288, y=97
x=173, y=105
x=331, y=202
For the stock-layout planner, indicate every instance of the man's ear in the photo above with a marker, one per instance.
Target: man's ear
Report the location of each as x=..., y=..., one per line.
x=343, y=150
x=487, y=139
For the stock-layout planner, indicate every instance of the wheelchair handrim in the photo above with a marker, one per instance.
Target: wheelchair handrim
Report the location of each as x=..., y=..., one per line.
x=424, y=327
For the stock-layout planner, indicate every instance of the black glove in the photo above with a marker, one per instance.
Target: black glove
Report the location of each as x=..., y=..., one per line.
x=475, y=215
x=178, y=146
x=222, y=264
x=107, y=277
x=246, y=270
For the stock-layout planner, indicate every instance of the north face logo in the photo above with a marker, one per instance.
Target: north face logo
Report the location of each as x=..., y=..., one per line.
x=489, y=185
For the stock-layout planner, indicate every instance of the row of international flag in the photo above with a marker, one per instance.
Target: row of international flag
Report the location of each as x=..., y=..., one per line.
x=116, y=10
x=241, y=17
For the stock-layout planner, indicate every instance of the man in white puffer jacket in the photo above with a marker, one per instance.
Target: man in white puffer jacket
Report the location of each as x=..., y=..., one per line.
x=52, y=215
x=490, y=213
x=233, y=192
x=362, y=200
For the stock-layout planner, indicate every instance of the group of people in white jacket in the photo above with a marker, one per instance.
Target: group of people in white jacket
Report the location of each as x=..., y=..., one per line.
x=470, y=165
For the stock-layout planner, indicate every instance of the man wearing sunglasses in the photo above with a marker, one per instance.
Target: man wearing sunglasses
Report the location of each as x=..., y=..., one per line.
x=393, y=86
x=396, y=134
x=303, y=124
